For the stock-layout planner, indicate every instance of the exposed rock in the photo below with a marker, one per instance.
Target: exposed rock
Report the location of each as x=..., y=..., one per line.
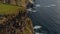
x=16, y=24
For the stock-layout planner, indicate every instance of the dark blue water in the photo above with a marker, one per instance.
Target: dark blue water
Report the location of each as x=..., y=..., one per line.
x=46, y=16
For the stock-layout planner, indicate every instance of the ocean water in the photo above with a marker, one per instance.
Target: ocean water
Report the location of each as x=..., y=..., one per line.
x=46, y=17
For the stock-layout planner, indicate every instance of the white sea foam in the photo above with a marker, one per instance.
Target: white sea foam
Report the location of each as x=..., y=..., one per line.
x=30, y=9
x=39, y=33
x=34, y=11
x=37, y=27
x=37, y=5
x=52, y=5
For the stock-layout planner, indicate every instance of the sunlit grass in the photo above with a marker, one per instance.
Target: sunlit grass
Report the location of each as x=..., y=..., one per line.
x=8, y=9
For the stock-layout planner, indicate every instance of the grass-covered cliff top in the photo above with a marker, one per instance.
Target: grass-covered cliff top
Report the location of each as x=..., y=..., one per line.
x=9, y=9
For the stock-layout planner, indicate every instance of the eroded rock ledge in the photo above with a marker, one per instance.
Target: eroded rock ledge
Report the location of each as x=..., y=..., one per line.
x=16, y=24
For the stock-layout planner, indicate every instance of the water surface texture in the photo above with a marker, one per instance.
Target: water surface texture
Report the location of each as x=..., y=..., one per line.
x=47, y=15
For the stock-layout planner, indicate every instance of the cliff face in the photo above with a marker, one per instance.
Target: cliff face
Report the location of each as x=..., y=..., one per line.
x=14, y=19
x=16, y=24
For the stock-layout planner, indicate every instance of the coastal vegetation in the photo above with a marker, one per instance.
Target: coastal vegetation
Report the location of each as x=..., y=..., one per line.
x=14, y=19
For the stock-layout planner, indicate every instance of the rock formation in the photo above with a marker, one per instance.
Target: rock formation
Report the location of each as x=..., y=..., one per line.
x=18, y=23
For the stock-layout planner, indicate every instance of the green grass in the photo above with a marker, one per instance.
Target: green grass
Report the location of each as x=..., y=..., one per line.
x=8, y=9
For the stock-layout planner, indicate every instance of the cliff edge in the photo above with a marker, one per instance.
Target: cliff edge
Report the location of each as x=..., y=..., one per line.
x=14, y=20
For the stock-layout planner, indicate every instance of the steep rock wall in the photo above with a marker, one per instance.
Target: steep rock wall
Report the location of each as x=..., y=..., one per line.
x=16, y=24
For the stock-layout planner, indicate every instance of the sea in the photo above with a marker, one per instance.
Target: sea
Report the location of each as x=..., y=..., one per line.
x=45, y=16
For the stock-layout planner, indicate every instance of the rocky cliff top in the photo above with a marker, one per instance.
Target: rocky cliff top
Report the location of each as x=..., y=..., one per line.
x=14, y=19
x=10, y=9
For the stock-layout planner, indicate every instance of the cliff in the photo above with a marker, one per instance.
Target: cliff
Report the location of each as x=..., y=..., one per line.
x=18, y=24
x=14, y=20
